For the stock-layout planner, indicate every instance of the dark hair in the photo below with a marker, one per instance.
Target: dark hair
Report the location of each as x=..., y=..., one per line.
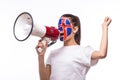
x=75, y=22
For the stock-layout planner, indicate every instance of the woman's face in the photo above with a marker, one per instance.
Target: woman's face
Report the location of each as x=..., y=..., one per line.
x=65, y=28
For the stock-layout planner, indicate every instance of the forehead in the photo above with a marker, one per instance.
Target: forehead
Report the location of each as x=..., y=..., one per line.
x=64, y=20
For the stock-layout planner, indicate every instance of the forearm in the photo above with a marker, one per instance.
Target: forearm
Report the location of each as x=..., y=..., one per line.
x=42, y=68
x=104, y=44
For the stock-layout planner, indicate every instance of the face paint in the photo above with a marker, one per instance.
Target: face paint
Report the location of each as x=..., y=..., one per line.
x=65, y=28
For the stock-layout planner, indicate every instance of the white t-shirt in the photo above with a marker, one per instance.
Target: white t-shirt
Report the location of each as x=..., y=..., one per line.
x=70, y=62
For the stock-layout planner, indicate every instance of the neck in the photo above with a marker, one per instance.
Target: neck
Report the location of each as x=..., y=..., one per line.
x=70, y=42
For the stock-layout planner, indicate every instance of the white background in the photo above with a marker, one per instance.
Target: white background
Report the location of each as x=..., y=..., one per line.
x=18, y=60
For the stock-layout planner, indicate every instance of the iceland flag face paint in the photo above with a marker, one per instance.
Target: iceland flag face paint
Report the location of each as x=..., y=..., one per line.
x=65, y=28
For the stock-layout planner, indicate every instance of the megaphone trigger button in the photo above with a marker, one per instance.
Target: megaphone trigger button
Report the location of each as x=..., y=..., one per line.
x=52, y=31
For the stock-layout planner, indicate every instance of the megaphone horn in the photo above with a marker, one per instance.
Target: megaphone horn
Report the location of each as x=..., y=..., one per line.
x=24, y=27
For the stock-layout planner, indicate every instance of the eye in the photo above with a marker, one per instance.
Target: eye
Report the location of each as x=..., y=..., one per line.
x=67, y=22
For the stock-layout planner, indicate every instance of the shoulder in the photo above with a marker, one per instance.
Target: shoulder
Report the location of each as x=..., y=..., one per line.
x=56, y=50
x=88, y=48
x=85, y=48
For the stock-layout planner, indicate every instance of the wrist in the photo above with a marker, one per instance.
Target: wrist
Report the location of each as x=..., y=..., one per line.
x=105, y=28
x=41, y=56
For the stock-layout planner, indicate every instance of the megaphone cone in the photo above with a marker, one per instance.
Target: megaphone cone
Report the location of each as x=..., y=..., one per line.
x=24, y=27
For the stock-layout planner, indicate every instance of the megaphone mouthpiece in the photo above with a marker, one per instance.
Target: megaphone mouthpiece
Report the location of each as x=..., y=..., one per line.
x=52, y=32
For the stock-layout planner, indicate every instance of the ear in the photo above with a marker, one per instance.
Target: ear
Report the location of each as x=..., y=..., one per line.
x=75, y=29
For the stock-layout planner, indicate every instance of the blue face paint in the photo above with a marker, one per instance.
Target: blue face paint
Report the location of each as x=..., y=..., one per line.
x=64, y=27
x=60, y=22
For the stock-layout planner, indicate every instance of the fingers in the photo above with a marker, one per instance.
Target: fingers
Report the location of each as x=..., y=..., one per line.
x=46, y=44
x=41, y=47
x=107, y=20
x=40, y=44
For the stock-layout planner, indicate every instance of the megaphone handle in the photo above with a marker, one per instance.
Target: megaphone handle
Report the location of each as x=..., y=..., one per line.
x=44, y=42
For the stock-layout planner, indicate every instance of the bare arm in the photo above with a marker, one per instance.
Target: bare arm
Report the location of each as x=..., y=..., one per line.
x=44, y=71
x=102, y=52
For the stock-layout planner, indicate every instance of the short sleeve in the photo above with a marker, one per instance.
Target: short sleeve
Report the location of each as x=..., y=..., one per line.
x=88, y=53
x=48, y=59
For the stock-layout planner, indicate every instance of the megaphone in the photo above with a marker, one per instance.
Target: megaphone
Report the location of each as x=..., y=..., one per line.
x=24, y=27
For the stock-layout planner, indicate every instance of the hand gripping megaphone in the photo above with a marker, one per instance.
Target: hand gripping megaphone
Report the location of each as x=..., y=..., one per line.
x=24, y=27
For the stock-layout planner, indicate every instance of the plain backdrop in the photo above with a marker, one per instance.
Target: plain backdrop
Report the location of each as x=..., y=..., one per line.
x=19, y=60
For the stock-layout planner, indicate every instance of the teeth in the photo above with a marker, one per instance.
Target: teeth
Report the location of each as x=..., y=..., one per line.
x=61, y=32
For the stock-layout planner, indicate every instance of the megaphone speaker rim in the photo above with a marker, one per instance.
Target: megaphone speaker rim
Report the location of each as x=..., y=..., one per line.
x=15, y=24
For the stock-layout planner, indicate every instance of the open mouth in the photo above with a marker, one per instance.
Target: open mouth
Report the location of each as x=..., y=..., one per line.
x=61, y=34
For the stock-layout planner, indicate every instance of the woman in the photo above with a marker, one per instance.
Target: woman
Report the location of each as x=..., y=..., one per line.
x=72, y=61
